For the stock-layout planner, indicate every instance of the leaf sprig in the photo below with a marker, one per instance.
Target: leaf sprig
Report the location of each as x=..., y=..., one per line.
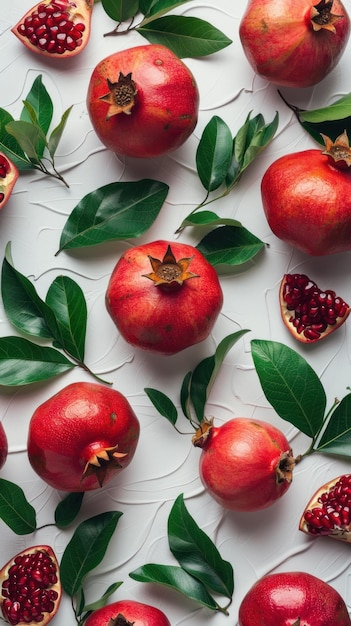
x=26, y=141
x=186, y=36
x=201, y=570
x=61, y=318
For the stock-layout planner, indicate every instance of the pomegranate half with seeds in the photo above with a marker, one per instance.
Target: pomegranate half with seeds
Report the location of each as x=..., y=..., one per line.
x=30, y=588
x=328, y=513
x=309, y=313
x=8, y=177
x=56, y=28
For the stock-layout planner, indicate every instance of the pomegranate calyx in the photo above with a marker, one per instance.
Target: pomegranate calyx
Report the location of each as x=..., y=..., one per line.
x=121, y=95
x=322, y=16
x=169, y=273
x=119, y=620
x=202, y=433
x=338, y=151
x=285, y=467
x=101, y=460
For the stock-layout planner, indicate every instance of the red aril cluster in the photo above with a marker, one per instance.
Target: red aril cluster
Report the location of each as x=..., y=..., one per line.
x=8, y=177
x=329, y=510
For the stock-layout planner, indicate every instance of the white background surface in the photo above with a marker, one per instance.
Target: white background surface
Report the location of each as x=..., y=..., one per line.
x=165, y=463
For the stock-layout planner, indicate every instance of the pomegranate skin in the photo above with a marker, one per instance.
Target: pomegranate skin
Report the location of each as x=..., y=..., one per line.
x=8, y=178
x=158, y=320
x=166, y=104
x=307, y=202
x=74, y=429
x=292, y=599
x=129, y=612
x=281, y=46
x=3, y=446
x=245, y=464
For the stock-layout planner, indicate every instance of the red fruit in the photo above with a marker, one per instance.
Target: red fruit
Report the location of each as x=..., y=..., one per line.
x=246, y=464
x=306, y=197
x=309, y=313
x=293, y=599
x=56, y=28
x=143, y=101
x=127, y=613
x=81, y=437
x=30, y=587
x=329, y=510
x=3, y=446
x=295, y=43
x=164, y=297
x=8, y=177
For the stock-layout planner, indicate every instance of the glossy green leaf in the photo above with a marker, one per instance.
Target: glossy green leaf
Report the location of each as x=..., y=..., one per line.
x=29, y=138
x=115, y=211
x=23, y=362
x=340, y=109
x=38, y=109
x=157, y=8
x=163, y=404
x=336, y=438
x=196, y=552
x=57, y=132
x=23, y=306
x=176, y=578
x=120, y=10
x=205, y=373
x=66, y=299
x=206, y=218
x=290, y=385
x=185, y=402
x=86, y=549
x=229, y=245
x=185, y=36
x=214, y=153
x=15, y=510
x=251, y=139
x=68, y=509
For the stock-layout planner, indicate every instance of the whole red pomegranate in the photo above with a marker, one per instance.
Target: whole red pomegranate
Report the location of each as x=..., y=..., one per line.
x=143, y=101
x=306, y=197
x=164, y=297
x=3, y=446
x=295, y=43
x=246, y=464
x=328, y=513
x=30, y=587
x=127, y=613
x=56, y=28
x=293, y=599
x=81, y=437
x=8, y=177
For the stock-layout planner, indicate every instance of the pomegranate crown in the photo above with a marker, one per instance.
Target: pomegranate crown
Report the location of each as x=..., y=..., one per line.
x=121, y=95
x=338, y=151
x=322, y=16
x=170, y=273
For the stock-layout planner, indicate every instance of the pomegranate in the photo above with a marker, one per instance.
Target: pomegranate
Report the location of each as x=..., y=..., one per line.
x=246, y=464
x=3, y=446
x=293, y=599
x=30, y=587
x=309, y=313
x=81, y=437
x=164, y=297
x=329, y=510
x=306, y=197
x=127, y=613
x=56, y=28
x=143, y=101
x=295, y=43
x=8, y=177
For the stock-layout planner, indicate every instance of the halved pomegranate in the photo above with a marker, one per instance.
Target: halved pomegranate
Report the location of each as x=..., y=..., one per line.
x=30, y=588
x=56, y=28
x=8, y=177
x=329, y=510
x=309, y=313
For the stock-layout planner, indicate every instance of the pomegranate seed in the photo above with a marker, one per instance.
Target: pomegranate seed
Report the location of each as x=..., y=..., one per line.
x=334, y=512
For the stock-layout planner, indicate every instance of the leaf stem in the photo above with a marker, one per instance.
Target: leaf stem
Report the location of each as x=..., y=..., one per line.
x=126, y=30
x=86, y=368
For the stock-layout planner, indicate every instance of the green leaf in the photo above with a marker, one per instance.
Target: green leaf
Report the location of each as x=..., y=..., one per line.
x=15, y=510
x=196, y=553
x=10, y=146
x=176, y=578
x=290, y=385
x=23, y=306
x=163, y=404
x=38, y=109
x=252, y=138
x=68, y=509
x=205, y=373
x=93, y=606
x=157, y=8
x=115, y=211
x=336, y=438
x=23, y=362
x=185, y=396
x=214, y=153
x=86, y=549
x=185, y=36
x=57, y=132
x=120, y=10
x=205, y=218
x=229, y=245
x=29, y=138
x=66, y=299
